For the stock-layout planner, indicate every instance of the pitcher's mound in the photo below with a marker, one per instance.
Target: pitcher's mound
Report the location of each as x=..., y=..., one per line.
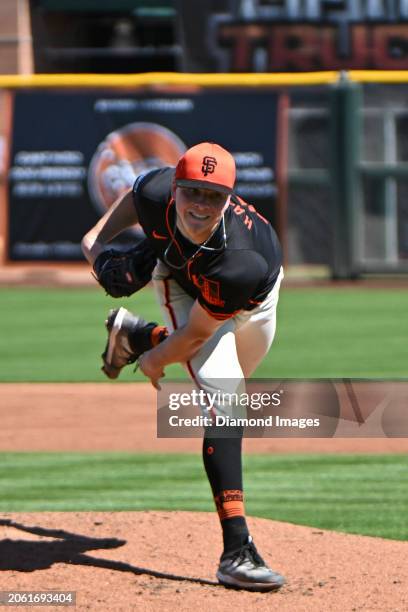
x=167, y=561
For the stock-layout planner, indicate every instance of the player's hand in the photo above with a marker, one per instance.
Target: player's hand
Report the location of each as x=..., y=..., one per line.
x=150, y=369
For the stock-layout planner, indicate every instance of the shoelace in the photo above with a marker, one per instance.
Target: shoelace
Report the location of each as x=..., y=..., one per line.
x=249, y=551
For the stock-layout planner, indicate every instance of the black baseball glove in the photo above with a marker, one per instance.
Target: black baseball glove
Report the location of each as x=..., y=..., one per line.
x=122, y=273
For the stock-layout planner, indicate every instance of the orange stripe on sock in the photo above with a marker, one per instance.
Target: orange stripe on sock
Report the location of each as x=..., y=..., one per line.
x=230, y=509
x=230, y=503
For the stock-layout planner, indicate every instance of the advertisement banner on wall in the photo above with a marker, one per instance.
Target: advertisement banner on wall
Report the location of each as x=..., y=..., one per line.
x=73, y=153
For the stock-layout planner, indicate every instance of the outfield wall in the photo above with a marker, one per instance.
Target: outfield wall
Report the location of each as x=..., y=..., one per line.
x=322, y=155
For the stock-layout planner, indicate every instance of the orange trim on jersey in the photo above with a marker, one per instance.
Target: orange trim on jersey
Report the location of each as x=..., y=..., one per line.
x=189, y=264
x=158, y=236
x=254, y=302
x=210, y=289
x=220, y=316
x=251, y=208
x=248, y=222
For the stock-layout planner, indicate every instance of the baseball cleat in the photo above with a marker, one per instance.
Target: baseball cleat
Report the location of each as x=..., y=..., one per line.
x=245, y=569
x=128, y=337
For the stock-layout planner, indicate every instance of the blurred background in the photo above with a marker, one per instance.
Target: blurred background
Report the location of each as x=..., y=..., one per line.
x=326, y=160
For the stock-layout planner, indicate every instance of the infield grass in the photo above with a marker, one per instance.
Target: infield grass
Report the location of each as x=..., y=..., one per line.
x=364, y=494
x=58, y=334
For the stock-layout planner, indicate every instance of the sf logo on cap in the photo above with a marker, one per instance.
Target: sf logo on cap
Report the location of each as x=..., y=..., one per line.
x=209, y=164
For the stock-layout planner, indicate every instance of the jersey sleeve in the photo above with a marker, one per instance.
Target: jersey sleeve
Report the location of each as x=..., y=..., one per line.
x=138, y=186
x=151, y=192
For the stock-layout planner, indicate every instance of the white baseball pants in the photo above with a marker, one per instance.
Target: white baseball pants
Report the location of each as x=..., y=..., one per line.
x=236, y=348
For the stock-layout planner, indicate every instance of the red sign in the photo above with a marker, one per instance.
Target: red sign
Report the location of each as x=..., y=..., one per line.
x=306, y=47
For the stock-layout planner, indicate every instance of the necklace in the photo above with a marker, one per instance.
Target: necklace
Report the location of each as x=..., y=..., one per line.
x=202, y=247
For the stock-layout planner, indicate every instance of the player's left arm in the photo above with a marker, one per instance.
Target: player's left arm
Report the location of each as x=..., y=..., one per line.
x=181, y=345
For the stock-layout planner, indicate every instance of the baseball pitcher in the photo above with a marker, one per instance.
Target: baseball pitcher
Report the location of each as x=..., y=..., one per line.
x=216, y=268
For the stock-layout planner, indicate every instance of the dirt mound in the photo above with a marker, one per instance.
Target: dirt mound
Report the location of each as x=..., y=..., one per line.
x=167, y=560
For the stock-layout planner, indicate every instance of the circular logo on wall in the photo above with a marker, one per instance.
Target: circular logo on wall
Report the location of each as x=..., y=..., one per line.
x=126, y=153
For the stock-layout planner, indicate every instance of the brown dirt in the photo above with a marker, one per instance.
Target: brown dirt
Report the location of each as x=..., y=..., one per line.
x=122, y=417
x=160, y=561
x=166, y=560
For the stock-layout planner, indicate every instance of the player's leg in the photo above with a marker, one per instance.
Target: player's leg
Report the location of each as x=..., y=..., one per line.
x=217, y=367
x=214, y=368
x=216, y=364
x=255, y=331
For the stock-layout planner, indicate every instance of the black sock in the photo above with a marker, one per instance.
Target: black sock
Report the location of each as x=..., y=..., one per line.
x=223, y=464
x=234, y=533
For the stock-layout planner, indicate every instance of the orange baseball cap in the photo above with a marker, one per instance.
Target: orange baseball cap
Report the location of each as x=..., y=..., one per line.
x=206, y=165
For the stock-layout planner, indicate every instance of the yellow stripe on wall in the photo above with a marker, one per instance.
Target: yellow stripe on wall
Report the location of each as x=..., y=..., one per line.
x=153, y=79
x=378, y=76
x=168, y=78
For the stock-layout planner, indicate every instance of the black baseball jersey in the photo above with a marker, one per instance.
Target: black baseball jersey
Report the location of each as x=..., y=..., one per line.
x=241, y=270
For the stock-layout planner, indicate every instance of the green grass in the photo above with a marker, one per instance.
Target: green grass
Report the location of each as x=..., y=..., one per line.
x=58, y=334
x=364, y=494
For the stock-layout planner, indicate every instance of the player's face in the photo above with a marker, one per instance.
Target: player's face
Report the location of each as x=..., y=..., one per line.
x=199, y=211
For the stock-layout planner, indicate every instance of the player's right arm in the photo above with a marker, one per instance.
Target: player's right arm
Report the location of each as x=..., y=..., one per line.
x=120, y=216
x=181, y=345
